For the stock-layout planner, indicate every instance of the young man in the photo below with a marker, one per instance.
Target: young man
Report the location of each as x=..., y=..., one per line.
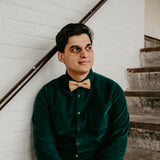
x=80, y=115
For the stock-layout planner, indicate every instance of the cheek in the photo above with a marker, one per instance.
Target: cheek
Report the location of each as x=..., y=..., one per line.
x=92, y=56
x=92, y=59
x=69, y=61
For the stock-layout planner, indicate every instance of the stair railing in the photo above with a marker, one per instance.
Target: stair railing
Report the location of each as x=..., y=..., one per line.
x=20, y=84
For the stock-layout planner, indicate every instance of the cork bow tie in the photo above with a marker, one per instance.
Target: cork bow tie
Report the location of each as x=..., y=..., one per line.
x=74, y=85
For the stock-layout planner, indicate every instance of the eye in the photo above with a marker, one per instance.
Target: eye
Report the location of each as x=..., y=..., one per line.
x=76, y=49
x=89, y=47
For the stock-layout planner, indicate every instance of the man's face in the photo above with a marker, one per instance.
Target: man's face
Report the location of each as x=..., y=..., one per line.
x=78, y=55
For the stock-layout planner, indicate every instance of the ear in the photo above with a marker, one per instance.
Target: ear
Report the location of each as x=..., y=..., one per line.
x=61, y=56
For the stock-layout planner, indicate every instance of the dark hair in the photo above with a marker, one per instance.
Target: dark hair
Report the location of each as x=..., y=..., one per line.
x=70, y=30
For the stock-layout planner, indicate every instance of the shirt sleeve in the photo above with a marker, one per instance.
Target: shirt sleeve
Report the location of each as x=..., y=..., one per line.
x=44, y=141
x=117, y=137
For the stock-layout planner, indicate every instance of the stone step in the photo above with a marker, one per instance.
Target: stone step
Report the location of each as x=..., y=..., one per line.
x=145, y=122
x=150, y=49
x=134, y=153
x=150, y=57
x=144, y=132
x=143, y=103
x=143, y=78
x=151, y=42
x=142, y=93
x=144, y=69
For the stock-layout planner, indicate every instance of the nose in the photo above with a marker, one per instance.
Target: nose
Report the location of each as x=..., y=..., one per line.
x=83, y=53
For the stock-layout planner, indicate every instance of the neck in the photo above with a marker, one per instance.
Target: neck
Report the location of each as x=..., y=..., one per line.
x=78, y=77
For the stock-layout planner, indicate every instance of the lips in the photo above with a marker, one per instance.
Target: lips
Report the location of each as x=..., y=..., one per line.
x=83, y=62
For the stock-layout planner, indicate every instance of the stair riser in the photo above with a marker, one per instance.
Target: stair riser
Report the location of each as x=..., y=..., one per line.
x=141, y=154
x=150, y=59
x=143, y=81
x=149, y=44
x=145, y=139
x=144, y=106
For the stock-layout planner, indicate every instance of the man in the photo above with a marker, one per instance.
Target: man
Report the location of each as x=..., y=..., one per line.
x=81, y=114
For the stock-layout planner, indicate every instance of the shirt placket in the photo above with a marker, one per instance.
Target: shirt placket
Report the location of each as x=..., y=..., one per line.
x=78, y=118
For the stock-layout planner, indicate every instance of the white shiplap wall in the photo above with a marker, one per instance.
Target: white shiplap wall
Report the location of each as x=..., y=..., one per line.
x=27, y=32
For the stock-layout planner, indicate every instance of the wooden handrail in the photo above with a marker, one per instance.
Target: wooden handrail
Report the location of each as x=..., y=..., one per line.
x=92, y=11
x=12, y=92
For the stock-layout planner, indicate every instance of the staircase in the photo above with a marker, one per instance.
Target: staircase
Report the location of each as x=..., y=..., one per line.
x=143, y=98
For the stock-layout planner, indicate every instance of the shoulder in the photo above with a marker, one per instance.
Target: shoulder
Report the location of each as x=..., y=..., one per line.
x=55, y=82
x=107, y=85
x=103, y=80
x=110, y=88
x=50, y=87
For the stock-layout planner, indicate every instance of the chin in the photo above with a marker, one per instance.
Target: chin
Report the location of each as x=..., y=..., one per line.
x=84, y=71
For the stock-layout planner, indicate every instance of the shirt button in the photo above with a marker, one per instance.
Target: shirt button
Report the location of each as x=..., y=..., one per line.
x=78, y=129
x=79, y=95
x=76, y=155
x=78, y=113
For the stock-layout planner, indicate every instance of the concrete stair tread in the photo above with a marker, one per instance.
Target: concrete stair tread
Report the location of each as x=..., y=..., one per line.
x=145, y=119
x=151, y=39
x=145, y=93
x=147, y=78
x=149, y=59
x=134, y=153
x=144, y=133
x=150, y=49
x=145, y=122
x=151, y=42
x=144, y=69
x=143, y=102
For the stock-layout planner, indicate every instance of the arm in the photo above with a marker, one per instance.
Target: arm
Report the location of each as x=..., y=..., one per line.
x=44, y=141
x=117, y=137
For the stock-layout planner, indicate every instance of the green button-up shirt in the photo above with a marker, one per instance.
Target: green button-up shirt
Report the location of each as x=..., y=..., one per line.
x=83, y=124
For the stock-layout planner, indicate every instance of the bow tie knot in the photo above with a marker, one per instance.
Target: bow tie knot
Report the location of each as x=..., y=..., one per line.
x=74, y=85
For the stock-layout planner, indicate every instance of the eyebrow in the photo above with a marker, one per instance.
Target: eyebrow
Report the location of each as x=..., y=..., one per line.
x=75, y=46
